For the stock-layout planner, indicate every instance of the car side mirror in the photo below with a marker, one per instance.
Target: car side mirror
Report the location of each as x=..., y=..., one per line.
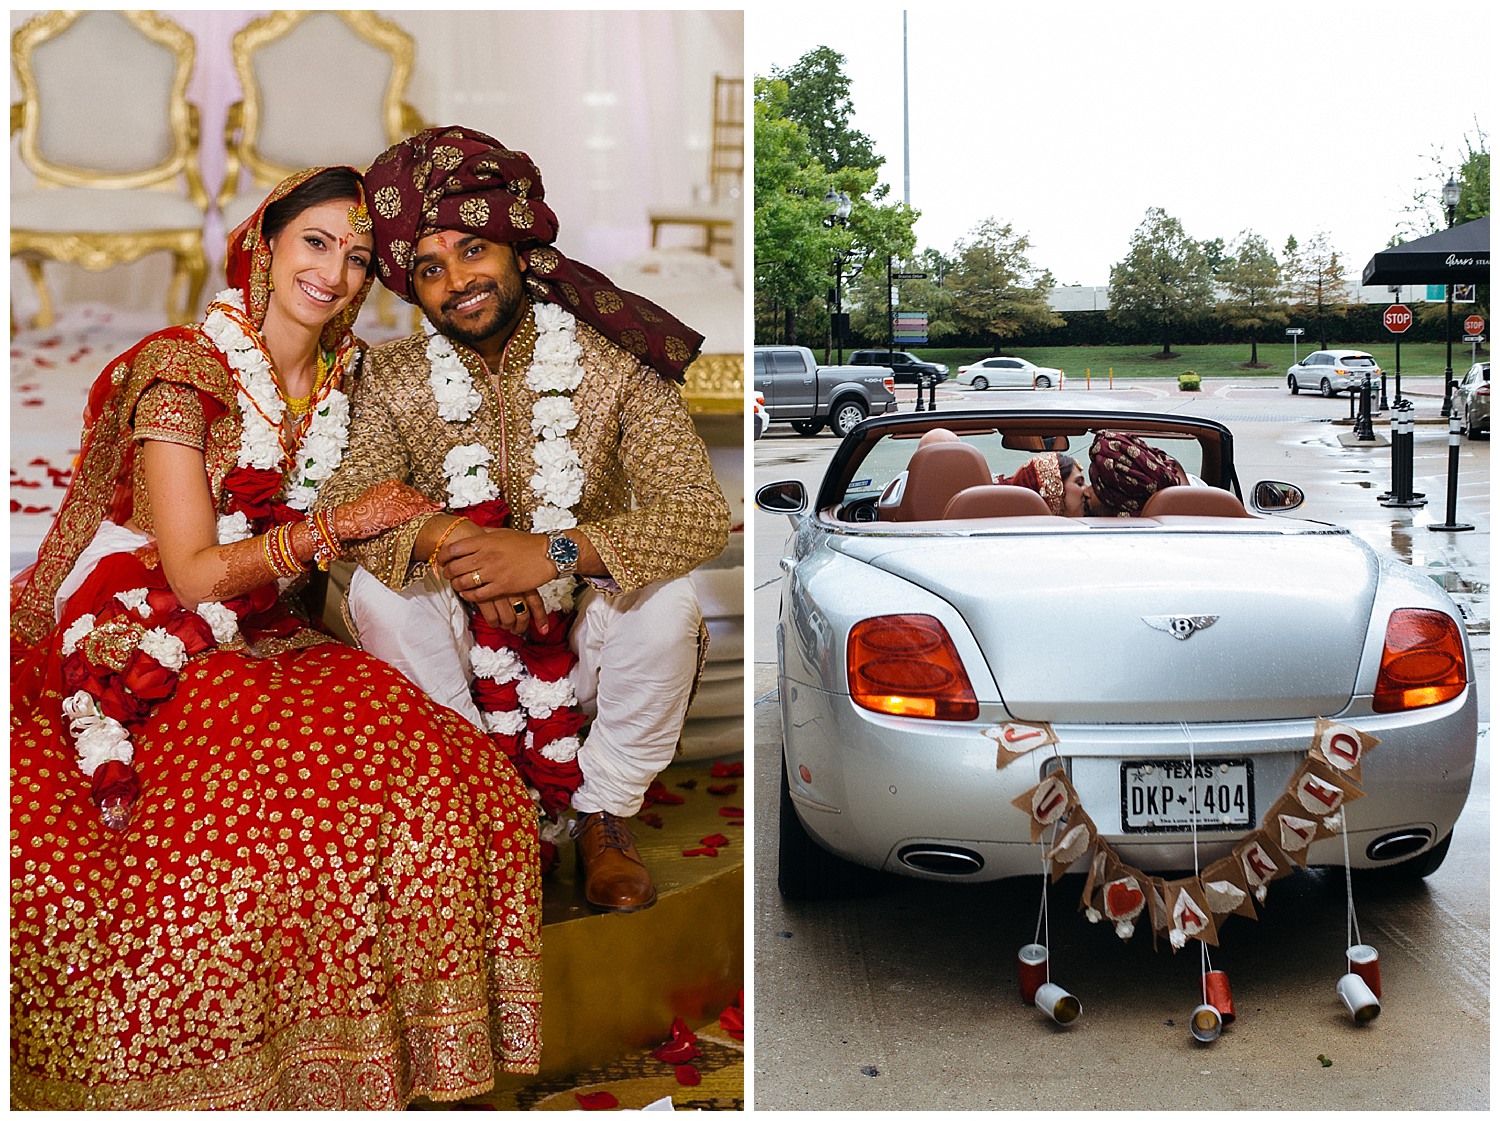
x=787, y=497
x=1269, y=497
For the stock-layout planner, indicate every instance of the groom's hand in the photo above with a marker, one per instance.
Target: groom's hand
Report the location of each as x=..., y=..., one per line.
x=499, y=570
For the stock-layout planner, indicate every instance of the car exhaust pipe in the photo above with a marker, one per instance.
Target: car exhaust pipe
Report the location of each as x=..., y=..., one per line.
x=1394, y=846
x=941, y=860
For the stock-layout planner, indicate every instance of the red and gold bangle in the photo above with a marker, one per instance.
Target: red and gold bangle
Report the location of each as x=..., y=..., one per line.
x=325, y=545
x=286, y=551
x=432, y=557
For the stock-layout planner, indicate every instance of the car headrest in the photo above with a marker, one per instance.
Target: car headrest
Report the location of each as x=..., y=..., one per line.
x=935, y=474
x=996, y=501
x=1203, y=502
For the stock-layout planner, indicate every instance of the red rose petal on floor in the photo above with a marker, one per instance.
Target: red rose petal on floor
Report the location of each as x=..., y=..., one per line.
x=24, y=483
x=688, y=1076
x=680, y=1030
x=700, y=852
x=36, y=509
x=688, y=784
x=33, y=402
x=659, y=795
x=726, y=788
x=732, y=1020
x=39, y=461
x=53, y=341
x=678, y=1051
x=601, y=1099
x=653, y=820
x=15, y=507
x=718, y=840
x=732, y=811
x=722, y=769
x=44, y=363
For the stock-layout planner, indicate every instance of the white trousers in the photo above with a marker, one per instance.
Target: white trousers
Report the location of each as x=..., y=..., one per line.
x=637, y=657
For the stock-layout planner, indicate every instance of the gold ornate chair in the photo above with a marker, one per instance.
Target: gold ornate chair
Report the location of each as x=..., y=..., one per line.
x=720, y=213
x=351, y=113
x=112, y=141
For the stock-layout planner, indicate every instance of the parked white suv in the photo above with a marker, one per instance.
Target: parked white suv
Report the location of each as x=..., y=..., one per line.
x=1332, y=371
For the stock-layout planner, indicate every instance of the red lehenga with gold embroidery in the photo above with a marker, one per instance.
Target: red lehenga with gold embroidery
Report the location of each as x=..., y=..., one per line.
x=327, y=892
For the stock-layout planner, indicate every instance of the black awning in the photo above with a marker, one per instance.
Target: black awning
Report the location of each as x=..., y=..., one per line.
x=1457, y=255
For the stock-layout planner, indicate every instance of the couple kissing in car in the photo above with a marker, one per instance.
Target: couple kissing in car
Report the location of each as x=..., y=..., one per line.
x=1124, y=471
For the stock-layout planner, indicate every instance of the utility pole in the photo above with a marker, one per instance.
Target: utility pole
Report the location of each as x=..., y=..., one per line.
x=905, y=117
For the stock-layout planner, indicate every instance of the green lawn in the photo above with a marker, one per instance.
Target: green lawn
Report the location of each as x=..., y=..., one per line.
x=1218, y=361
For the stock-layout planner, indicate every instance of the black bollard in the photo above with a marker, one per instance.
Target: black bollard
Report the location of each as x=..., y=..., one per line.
x=1452, y=525
x=1402, y=438
x=1363, y=430
x=921, y=384
x=932, y=394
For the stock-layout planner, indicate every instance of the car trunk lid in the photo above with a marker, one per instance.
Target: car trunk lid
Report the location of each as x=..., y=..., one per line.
x=1085, y=627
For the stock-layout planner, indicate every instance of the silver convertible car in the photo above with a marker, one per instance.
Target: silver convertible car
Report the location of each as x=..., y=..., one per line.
x=1177, y=665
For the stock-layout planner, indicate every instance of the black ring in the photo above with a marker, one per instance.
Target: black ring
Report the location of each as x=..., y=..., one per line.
x=519, y=607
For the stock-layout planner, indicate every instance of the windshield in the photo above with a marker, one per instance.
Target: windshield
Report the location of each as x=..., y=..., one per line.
x=1357, y=361
x=890, y=455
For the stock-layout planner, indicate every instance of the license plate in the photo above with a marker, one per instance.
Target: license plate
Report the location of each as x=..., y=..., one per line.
x=1171, y=795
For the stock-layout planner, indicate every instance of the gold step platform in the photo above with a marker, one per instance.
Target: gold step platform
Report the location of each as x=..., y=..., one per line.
x=611, y=983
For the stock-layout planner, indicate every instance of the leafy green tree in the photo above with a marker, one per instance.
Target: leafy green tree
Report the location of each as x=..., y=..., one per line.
x=1163, y=282
x=798, y=253
x=1425, y=213
x=817, y=98
x=1251, y=279
x=995, y=288
x=1317, y=283
x=1215, y=256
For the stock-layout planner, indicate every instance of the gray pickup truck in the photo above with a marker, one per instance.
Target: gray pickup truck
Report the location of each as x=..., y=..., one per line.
x=809, y=396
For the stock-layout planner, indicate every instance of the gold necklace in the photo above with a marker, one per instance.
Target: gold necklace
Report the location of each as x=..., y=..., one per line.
x=298, y=406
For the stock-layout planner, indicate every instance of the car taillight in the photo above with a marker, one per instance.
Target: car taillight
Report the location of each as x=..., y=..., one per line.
x=906, y=665
x=1482, y=391
x=1423, y=662
x=890, y=385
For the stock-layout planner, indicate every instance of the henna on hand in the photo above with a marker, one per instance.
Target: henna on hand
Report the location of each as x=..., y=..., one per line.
x=382, y=507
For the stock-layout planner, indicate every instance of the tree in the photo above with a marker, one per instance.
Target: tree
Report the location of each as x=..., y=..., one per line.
x=818, y=99
x=1251, y=278
x=1425, y=213
x=995, y=288
x=796, y=251
x=1316, y=283
x=1214, y=256
x=1163, y=281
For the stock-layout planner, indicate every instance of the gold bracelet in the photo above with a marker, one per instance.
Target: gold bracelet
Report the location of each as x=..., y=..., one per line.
x=265, y=548
x=288, y=553
x=432, y=557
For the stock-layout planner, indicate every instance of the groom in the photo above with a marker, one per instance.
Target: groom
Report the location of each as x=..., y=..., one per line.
x=544, y=398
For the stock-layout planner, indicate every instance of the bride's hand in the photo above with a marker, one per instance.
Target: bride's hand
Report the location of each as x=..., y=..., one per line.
x=382, y=507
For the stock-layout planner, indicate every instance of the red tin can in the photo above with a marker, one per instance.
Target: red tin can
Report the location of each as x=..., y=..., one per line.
x=1032, y=963
x=1216, y=992
x=1365, y=960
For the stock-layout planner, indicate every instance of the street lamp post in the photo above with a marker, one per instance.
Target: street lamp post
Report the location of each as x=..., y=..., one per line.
x=1450, y=205
x=839, y=207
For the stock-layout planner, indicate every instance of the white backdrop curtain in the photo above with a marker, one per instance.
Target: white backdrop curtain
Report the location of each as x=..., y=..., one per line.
x=615, y=107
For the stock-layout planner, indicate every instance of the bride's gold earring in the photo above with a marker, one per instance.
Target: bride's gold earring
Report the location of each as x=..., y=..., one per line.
x=270, y=285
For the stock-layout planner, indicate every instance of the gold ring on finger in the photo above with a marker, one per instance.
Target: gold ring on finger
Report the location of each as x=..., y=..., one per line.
x=478, y=579
x=519, y=607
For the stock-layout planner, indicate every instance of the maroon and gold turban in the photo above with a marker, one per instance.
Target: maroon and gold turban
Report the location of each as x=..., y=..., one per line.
x=457, y=179
x=1125, y=471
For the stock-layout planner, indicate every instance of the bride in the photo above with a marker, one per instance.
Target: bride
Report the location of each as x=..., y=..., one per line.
x=250, y=866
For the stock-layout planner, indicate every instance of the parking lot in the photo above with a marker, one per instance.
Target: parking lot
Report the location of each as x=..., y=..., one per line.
x=908, y=999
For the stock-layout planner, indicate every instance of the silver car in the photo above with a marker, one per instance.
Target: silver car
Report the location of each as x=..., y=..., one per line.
x=1471, y=401
x=1331, y=372
x=1177, y=666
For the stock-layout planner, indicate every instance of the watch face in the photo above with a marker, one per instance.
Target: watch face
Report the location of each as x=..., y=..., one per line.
x=563, y=550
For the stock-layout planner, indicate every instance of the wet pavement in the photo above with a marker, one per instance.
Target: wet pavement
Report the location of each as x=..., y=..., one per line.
x=907, y=999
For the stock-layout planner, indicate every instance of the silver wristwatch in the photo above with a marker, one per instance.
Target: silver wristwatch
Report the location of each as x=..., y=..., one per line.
x=562, y=551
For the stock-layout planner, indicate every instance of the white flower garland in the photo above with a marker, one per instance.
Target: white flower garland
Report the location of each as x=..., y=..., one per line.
x=556, y=371
x=261, y=409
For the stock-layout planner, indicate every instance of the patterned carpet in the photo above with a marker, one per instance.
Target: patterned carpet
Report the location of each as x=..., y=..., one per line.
x=637, y=1081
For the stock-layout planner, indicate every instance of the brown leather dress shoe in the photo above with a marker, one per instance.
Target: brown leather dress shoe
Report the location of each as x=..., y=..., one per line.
x=614, y=877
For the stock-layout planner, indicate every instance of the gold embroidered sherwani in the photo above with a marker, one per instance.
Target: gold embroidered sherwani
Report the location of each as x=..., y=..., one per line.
x=650, y=503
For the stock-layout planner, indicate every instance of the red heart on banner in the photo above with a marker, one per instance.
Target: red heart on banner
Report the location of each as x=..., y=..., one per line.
x=1123, y=899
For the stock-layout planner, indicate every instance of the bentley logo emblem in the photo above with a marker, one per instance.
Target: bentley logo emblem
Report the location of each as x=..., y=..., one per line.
x=1181, y=627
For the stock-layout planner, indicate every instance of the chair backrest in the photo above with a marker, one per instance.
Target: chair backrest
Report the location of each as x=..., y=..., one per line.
x=935, y=474
x=1203, y=502
x=996, y=501
x=104, y=100
x=726, y=159
x=319, y=87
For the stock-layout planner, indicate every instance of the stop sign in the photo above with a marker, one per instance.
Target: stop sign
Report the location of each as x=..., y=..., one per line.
x=1474, y=325
x=1397, y=318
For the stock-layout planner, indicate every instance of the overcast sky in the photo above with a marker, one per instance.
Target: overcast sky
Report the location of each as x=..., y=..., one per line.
x=1068, y=120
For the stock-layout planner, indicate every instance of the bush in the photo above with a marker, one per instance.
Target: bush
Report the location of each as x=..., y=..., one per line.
x=1189, y=382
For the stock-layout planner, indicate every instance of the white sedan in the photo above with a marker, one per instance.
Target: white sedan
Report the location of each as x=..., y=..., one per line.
x=1009, y=373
